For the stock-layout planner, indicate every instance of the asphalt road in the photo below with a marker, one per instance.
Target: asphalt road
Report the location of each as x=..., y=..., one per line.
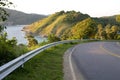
x=97, y=60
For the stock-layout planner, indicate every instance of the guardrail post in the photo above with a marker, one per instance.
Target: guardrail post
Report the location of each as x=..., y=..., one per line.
x=23, y=63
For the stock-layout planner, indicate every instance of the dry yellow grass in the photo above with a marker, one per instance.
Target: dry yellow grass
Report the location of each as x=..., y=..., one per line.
x=48, y=29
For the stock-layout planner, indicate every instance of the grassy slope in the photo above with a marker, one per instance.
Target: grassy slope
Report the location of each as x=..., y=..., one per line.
x=45, y=66
x=50, y=28
x=37, y=26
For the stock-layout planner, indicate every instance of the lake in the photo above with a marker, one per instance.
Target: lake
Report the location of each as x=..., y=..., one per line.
x=15, y=31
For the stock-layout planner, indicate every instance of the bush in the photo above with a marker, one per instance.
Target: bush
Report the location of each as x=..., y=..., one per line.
x=21, y=49
x=9, y=49
x=53, y=38
x=6, y=53
x=31, y=41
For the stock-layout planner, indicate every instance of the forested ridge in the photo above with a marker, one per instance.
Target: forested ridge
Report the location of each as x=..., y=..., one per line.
x=76, y=25
x=21, y=18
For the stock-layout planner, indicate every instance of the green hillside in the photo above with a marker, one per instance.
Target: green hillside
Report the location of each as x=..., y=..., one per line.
x=72, y=25
x=56, y=23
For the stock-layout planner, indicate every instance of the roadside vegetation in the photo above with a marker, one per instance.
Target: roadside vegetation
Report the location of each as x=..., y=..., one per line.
x=6, y=46
x=9, y=49
x=48, y=65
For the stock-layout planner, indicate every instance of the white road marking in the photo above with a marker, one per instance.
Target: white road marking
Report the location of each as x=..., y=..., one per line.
x=71, y=66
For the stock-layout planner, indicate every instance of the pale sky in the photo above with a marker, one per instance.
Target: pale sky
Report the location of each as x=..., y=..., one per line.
x=94, y=8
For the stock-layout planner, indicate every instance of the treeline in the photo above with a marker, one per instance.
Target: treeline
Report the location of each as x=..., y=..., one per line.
x=75, y=25
x=108, y=32
x=89, y=29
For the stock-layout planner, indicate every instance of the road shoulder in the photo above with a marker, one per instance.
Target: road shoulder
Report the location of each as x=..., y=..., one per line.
x=71, y=71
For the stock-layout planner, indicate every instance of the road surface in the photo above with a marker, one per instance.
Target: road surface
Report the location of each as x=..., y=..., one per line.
x=94, y=61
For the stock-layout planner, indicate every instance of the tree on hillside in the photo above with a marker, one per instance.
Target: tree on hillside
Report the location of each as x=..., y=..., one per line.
x=84, y=29
x=114, y=30
x=107, y=28
x=108, y=31
x=53, y=38
x=67, y=35
x=101, y=34
x=111, y=31
x=31, y=41
x=118, y=18
x=73, y=16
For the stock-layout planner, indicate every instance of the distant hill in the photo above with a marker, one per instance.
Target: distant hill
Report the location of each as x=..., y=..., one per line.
x=69, y=25
x=21, y=18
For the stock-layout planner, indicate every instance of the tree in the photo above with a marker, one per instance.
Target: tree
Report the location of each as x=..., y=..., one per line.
x=67, y=34
x=31, y=41
x=101, y=34
x=84, y=29
x=3, y=14
x=118, y=18
x=99, y=31
x=108, y=31
x=107, y=28
x=6, y=46
x=114, y=30
x=53, y=38
x=74, y=17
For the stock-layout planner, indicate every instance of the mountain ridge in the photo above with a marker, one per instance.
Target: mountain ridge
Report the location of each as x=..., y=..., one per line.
x=21, y=18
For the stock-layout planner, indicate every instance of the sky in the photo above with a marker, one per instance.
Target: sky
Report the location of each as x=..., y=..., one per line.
x=94, y=8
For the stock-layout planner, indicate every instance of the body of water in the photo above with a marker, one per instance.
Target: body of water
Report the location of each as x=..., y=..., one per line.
x=15, y=31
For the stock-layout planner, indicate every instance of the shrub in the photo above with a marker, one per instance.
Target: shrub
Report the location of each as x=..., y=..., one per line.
x=53, y=38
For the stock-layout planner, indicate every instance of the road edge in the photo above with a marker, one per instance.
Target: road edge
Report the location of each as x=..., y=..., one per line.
x=70, y=69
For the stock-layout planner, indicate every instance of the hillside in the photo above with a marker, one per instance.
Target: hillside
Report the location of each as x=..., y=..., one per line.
x=108, y=19
x=56, y=23
x=21, y=18
x=70, y=25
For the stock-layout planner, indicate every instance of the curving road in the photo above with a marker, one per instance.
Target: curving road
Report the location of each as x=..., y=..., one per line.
x=95, y=61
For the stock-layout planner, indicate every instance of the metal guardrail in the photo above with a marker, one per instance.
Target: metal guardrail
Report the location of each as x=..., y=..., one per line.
x=14, y=64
